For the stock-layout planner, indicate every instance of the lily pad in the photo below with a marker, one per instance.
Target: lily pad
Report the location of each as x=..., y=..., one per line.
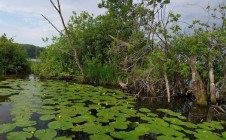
x=29, y=129
x=47, y=117
x=62, y=138
x=4, y=128
x=144, y=110
x=92, y=128
x=100, y=137
x=25, y=123
x=119, y=125
x=18, y=135
x=205, y=134
x=124, y=135
x=62, y=125
x=224, y=134
x=45, y=134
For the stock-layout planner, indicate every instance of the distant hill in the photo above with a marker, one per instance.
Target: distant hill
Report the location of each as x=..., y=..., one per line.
x=32, y=50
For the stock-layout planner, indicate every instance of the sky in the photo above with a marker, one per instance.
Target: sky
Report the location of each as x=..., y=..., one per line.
x=22, y=20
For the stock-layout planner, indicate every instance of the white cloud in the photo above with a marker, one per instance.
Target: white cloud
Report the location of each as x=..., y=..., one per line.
x=24, y=22
x=22, y=18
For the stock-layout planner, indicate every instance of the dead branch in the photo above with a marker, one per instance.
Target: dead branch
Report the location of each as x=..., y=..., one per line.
x=52, y=25
x=119, y=42
x=68, y=37
x=219, y=107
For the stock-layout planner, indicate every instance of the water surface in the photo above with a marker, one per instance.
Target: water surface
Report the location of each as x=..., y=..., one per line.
x=33, y=109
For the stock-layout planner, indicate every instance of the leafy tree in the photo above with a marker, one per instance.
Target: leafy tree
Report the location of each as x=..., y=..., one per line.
x=13, y=58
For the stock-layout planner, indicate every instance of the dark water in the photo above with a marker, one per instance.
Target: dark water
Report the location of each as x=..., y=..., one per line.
x=66, y=107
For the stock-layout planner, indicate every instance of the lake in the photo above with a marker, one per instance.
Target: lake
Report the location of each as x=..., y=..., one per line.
x=33, y=109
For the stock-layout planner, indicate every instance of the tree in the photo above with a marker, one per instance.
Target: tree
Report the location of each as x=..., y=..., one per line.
x=68, y=38
x=13, y=58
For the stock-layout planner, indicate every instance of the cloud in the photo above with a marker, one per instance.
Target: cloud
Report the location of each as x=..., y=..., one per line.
x=22, y=19
x=193, y=9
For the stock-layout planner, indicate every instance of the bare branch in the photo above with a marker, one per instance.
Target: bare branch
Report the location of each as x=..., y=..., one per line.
x=58, y=10
x=52, y=25
x=58, y=2
x=119, y=42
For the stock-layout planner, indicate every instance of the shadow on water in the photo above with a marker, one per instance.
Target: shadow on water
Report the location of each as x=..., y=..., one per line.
x=185, y=105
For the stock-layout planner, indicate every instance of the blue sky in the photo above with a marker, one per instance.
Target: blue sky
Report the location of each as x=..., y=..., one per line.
x=22, y=20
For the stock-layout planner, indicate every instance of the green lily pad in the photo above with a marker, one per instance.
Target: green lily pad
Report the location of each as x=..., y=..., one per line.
x=29, y=129
x=77, y=128
x=84, y=118
x=144, y=110
x=119, y=125
x=92, y=128
x=224, y=134
x=60, y=124
x=4, y=128
x=25, y=123
x=47, y=117
x=124, y=135
x=100, y=137
x=174, y=121
x=19, y=135
x=176, y=127
x=172, y=113
x=142, y=129
x=170, y=138
x=45, y=134
x=62, y=138
x=152, y=115
x=205, y=134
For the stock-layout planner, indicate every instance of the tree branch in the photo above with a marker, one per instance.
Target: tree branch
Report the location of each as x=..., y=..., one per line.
x=52, y=24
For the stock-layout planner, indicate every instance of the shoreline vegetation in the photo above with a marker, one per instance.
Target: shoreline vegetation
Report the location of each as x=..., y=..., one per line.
x=141, y=48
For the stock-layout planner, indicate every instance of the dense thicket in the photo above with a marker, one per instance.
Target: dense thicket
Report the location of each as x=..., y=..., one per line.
x=141, y=46
x=13, y=58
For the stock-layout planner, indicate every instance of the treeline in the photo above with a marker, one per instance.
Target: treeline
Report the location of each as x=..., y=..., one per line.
x=32, y=50
x=14, y=57
x=142, y=47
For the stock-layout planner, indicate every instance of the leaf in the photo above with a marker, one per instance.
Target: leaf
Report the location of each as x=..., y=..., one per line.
x=100, y=137
x=60, y=124
x=119, y=125
x=144, y=110
x=4, y=128
x=224, y=134
x=45, y=134
x=62, y=138
x=25, y=123
x=124, y=135
x=18, y=135
x=47, y=117
x=29, y=129
x=92, y=128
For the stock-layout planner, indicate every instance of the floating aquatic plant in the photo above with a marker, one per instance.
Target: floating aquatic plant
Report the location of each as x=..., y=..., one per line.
x=4, y=128
x=57, y=106
x=19, y=135
x=60, y=124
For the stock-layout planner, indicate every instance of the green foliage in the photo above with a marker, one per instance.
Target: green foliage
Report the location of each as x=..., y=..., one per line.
x=100, y=73
x=13, y=58
x=54, y=63
x=32, y=51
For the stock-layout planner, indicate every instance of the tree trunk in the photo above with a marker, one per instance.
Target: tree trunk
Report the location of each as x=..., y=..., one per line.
x=212, y=85
x=167, y=86
x=197, y=84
